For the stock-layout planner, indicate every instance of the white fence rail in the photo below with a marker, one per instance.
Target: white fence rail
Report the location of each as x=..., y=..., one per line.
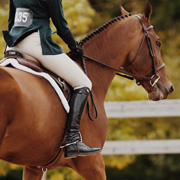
x=142, y=147
x=165, y=108
x=126, y=109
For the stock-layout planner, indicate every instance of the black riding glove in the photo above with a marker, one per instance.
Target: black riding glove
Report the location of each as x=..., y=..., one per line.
x=78, y=50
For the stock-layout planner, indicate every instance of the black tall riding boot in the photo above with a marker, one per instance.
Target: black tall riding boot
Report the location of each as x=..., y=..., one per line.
x=73, y=144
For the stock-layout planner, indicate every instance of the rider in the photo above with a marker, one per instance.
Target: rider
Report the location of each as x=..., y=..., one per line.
x=29, y=31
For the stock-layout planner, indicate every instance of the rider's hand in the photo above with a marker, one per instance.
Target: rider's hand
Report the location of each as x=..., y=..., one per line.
x=78, y=50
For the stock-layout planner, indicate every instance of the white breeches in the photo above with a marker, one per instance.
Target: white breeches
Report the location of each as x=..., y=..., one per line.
x=59, y=64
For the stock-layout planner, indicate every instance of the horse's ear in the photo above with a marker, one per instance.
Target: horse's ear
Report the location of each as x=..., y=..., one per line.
x=123, y=11
x=148, y=10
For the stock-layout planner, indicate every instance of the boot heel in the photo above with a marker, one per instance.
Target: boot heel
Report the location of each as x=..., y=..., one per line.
x=70, y=151
x=70, y=155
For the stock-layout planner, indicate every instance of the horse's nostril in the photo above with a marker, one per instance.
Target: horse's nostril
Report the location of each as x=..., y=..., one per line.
x=171, y=89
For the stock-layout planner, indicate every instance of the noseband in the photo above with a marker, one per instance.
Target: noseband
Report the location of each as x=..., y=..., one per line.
x=153, y=77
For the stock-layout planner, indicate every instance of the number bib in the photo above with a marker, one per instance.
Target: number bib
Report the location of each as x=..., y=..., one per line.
x=23, y=17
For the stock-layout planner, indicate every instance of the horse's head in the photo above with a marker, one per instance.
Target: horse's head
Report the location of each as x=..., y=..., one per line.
x=144, y=59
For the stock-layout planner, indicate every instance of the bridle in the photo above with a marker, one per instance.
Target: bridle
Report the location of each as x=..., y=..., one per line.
x=153, y=77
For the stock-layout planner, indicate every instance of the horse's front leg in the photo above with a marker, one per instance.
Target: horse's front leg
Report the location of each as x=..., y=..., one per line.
x=32, y=173
x=90, y=167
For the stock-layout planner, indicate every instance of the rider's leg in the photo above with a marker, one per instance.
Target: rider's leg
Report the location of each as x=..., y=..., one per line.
x=67, y=69
x=74, y=146
x=82, y=86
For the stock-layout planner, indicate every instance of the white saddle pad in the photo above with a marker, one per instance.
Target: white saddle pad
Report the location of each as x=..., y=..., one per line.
x=16, y=65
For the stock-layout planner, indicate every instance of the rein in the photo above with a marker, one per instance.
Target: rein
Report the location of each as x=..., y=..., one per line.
x=130, y=75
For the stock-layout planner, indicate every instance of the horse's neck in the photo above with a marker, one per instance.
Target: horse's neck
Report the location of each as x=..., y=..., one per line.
x=110, y=47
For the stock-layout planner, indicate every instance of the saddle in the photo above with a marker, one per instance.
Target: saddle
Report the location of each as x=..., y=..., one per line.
x=34, y=64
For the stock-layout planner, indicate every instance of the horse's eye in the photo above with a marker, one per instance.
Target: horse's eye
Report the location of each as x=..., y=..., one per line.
x=158, y=43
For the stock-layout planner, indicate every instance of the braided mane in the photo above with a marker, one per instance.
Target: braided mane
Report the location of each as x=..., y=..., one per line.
x=102, y=28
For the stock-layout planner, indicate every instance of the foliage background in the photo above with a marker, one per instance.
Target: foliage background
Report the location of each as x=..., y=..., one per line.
x=83, y=16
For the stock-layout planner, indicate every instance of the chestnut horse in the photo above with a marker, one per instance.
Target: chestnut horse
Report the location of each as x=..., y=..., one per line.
x=32, y=119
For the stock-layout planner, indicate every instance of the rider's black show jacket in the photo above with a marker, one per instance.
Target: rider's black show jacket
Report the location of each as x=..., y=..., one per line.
x=42, y=11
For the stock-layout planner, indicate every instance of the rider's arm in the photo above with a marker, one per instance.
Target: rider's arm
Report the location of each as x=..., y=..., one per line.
x=57, y=15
